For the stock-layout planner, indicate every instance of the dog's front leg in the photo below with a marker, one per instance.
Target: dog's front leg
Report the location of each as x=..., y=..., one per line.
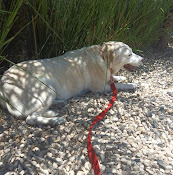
x=107, y=88
x=122, y=87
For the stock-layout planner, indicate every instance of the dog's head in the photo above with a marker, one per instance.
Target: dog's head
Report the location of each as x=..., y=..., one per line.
x=120, y=56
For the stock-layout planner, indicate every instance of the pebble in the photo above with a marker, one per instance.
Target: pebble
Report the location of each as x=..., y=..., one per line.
x=135, y=137
x=137, y=160
x=80, y=173
x=149, y=170
x=124, y=161
x=149, y=114
x=59, y=161
x=49, y=154
x=102, y=157
x=87, y=165
x=110, y=170
x=170, y=93
x=141, y=129
x=38, y=133
x=161, y=164
x=71, y=172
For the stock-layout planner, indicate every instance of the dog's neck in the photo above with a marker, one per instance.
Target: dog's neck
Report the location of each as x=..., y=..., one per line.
x=108, y=59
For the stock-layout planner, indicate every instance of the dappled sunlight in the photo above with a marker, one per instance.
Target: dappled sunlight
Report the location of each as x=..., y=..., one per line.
x=58, y=98
x=25, y=93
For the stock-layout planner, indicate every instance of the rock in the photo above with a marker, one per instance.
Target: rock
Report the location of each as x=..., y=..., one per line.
x=135, y=168
x=10, y=167
x=49, y=154
x=38, y=133
x=59, y=161
x=137, y=160
x=22, y=172
x=87, y=165
x=72, y=158
x=55, y=166
x=7, y=150
x=102, y=157
x=67, y=130
x=133, y=149
x=110, y=170
x=36, y=149
x=11, y=173
x=155, y=124
x=149, y=170
x=122, y=127
x=129, y=131
x=161, y=164
x=149, y=114
x=141, y=129
x=80, y=173
x=162, y=109
x=162, y=117
x=49, y=140
x=102, y=168
x=1, y=164
x=124, y=161
x=157, y=132
x=71, y=172
x=170, y=93
x=146, y=162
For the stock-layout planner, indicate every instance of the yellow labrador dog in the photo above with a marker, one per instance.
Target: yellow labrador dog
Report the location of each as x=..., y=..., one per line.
x=29, y=88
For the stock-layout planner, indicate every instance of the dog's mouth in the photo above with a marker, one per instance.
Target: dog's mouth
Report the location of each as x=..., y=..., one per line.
x=129, y=68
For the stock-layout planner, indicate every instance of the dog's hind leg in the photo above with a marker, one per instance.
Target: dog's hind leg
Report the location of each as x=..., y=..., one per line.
x=43, y=115
x=46, y=118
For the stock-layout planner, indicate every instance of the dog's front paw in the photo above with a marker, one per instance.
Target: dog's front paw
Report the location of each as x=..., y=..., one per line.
x=129, y=86
x=31, y=119
x=119, y=78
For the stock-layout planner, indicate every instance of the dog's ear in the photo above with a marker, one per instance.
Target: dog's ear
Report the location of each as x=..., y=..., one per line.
x=108, y=54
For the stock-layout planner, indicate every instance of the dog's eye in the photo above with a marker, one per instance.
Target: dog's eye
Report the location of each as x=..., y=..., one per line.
x=130, y=55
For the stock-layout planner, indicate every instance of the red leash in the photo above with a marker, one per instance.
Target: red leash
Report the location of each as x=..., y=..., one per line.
x=91, y=152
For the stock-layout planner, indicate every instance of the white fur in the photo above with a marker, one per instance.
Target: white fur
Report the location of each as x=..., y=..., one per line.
x=29, y=94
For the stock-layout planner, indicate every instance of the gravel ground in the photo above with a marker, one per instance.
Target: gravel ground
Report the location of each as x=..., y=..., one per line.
x=135, y=138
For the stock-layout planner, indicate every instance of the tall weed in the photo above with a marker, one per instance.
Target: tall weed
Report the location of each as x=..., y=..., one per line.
x=7, y=20
x=62, y=25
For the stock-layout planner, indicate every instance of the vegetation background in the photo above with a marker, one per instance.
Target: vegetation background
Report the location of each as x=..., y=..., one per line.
x=32, y=29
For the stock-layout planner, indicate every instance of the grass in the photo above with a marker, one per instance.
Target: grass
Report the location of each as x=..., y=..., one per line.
x=7, y=20
x=66, y=25
x=61, y=25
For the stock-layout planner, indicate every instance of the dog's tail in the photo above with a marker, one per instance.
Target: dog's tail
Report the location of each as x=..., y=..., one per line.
x=4, y=102
x=2, y=98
